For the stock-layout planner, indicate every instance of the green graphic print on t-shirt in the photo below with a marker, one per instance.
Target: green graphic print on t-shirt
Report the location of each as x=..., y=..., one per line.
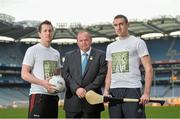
x=49, y=68
x=120, y=62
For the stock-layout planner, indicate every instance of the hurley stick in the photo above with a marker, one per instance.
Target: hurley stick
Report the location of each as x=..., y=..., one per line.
x=95, y=98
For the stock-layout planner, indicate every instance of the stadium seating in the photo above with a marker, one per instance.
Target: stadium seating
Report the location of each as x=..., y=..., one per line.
x=12, y=54
x=8, y=95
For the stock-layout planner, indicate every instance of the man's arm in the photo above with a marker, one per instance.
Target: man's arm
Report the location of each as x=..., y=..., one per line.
x=27, y=76
x=68, y=78
x=146, y=61
x=108, y=79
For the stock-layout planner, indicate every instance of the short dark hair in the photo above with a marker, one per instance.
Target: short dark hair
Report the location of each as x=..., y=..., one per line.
x=44, y=22
x=121, y=16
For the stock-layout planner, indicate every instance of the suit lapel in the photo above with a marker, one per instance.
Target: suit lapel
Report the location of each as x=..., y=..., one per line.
x=77, y=58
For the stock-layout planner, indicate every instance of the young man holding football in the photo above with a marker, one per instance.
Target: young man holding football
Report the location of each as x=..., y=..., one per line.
x=40, y=63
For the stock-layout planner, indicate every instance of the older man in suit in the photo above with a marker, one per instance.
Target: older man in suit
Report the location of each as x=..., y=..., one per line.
x=85, y=69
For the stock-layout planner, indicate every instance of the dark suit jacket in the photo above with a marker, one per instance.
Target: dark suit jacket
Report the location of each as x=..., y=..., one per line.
x=93, y=79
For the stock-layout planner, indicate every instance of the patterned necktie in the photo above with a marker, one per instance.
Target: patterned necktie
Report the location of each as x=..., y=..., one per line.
x=84, y=62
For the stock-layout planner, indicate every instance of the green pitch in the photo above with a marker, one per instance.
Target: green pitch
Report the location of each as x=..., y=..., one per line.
x=151, y=112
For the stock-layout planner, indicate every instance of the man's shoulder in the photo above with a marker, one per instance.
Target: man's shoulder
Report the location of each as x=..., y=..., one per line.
x=72, y=52
x=135, y=38
x=54, y=50
x=112, y=43
x=33, y=47
x=98, y=51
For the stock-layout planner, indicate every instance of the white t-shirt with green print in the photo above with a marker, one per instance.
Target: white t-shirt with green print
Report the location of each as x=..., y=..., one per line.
x=43, y=61
x=125, y=56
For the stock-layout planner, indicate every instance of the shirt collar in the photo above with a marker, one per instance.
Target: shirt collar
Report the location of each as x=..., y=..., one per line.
x=88, y=52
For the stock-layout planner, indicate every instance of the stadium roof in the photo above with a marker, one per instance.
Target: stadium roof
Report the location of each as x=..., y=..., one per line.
x=28, y=29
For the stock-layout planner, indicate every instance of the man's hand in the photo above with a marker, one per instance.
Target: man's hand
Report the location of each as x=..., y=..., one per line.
x=106, y=93
x=50, y=87
x=144, y=99
x=81, y=92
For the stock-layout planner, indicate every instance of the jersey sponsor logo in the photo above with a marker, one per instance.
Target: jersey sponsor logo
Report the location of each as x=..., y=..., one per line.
x=120, y=62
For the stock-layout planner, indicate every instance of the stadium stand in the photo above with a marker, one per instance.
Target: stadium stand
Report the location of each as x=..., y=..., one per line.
x=158, y=49
x=164, y=50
